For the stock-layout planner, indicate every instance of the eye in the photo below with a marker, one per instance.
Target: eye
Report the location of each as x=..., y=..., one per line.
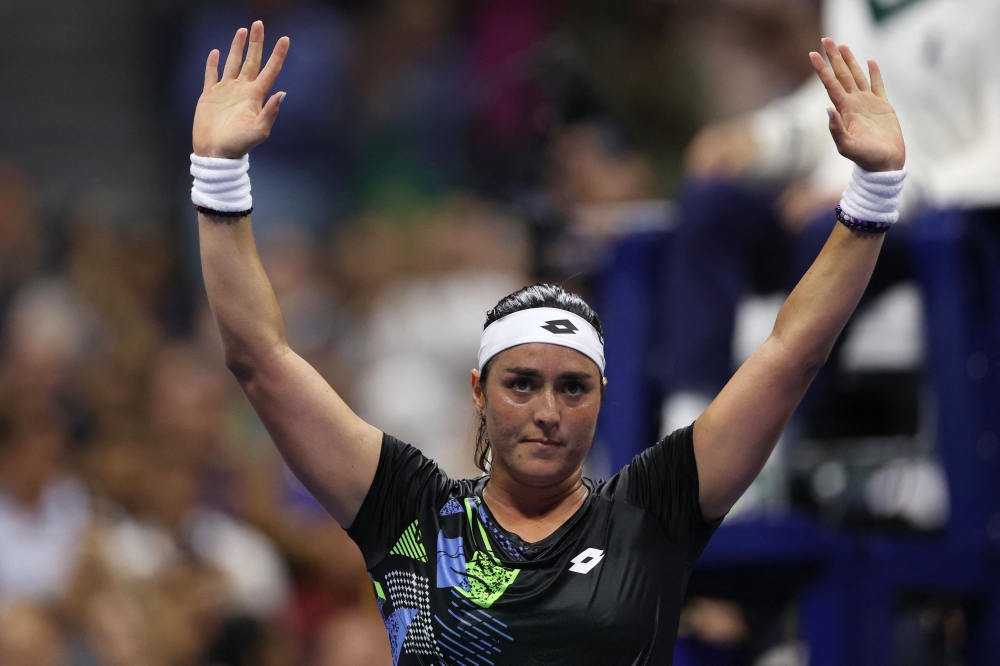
x=573, y=388
x=521, y=384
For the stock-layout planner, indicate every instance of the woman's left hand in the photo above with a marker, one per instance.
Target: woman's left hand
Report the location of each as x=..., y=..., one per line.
x=863, y=124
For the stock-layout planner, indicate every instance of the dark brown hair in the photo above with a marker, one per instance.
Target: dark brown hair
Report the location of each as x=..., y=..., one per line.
x=536, y=296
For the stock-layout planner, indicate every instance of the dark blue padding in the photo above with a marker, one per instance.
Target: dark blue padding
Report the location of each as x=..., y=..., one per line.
x=847, y=607
x=628, y=303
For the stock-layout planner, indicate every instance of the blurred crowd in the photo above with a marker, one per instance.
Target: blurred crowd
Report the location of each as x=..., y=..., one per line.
x=431, y=157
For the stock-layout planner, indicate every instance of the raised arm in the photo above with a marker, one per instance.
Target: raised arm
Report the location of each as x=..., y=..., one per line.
x=736, y=434
x=332, y=451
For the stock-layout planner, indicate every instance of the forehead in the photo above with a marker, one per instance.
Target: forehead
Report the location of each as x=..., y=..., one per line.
x=546, y=358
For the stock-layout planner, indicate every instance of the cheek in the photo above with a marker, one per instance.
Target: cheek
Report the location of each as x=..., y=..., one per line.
x=509, y=419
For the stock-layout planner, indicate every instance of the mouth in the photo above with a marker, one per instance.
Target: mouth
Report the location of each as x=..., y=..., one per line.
x=544, y=442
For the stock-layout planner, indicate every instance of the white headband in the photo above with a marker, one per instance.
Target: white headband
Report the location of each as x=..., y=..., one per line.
x=551, y=326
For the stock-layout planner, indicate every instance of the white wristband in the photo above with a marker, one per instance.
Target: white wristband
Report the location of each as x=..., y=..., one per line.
x=873, y=196
x=221, y=184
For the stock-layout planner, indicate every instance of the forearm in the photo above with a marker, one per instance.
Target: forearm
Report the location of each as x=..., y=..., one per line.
x=818, y=308
x=243, y=303
x=736, y=434
x=738, y=431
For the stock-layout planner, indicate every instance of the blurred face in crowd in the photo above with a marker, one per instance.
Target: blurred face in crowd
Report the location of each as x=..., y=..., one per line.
x=586, y=168
x=540, y=403
x=117, y=465
x=189, y=400
x=353, y=640
x=171, y=489
x=28, y=637
x=29, y=459
x=20, y=243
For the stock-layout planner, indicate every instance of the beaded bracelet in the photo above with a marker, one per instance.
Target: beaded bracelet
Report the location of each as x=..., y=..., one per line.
x=866, y=226
x=222, y=213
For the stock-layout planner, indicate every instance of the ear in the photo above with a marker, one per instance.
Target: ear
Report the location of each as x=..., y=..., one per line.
x=605, y=382
x=478, y=394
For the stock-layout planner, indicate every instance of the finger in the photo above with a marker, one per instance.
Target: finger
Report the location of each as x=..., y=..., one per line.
x=829, y=79
x=266, y=117
x=836, y=123
x=839, y=66
x=251, y=66
x=212, y=69
x=860, y=80
x=232, y=69
x=878, y=87
x=273, y=66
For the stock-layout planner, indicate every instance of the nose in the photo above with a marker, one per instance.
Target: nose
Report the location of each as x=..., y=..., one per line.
x=547, y=410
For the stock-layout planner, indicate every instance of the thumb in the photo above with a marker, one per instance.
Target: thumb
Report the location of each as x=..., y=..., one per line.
x=266, y=117
x=836, y=124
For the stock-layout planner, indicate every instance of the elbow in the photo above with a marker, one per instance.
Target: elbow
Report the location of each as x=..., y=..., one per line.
x=801, y=362
x=246, y=364
x=241, y=368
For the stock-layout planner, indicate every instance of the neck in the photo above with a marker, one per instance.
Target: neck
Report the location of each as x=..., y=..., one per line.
x=515, y=498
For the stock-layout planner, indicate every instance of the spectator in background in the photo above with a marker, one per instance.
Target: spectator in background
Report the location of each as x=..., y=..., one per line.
x=512, y=109
x=599, y=188
x=761, y=191
x=21, y=242
x=408, y=76
x=44, y=511
x=29, y=637
x=353, y=642
x=424, y=318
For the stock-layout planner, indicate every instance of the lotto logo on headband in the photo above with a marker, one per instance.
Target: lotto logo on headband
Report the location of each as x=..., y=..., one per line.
x=560, y=326
x=550, y=326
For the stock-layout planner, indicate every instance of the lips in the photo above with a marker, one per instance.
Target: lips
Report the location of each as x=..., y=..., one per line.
x=544, y=442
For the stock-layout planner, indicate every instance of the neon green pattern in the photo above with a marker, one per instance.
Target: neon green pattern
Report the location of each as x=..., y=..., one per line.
x=487, y=580
x=378, y=588
x=409, y=544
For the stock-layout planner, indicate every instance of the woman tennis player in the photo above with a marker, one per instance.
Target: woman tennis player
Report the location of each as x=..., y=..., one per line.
x=531, y=563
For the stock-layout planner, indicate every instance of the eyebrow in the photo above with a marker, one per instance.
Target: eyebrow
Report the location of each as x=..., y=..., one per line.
x=532, y=372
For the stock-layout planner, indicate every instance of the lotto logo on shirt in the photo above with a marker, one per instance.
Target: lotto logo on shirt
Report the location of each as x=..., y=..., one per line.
x=586, y=560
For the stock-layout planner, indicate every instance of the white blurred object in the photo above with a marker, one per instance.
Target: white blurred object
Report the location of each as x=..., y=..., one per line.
x=45, y=317
x=40, y=546
x=420, y=348
x=411, y=397
x=915, y=490
x=258, y=582
x=829, y=480
x=754, y=321
x=137, y=549
x=681, y=409
x=795, y=653
x=888, y=333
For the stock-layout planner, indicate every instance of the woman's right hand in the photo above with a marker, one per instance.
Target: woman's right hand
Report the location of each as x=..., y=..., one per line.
x=231, y=117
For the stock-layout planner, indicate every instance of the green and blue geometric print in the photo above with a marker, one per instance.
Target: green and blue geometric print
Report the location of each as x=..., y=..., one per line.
x=451, y=562
x=409, y=544
x=410, y=628
x=477, y=638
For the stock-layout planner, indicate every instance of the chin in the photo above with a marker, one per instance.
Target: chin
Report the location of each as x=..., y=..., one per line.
x=538, y=470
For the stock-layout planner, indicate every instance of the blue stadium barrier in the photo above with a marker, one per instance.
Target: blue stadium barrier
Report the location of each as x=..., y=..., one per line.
x=851, y=581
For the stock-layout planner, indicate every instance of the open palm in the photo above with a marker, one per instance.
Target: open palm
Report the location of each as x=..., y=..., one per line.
x=864, y=124
x=231, y=117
